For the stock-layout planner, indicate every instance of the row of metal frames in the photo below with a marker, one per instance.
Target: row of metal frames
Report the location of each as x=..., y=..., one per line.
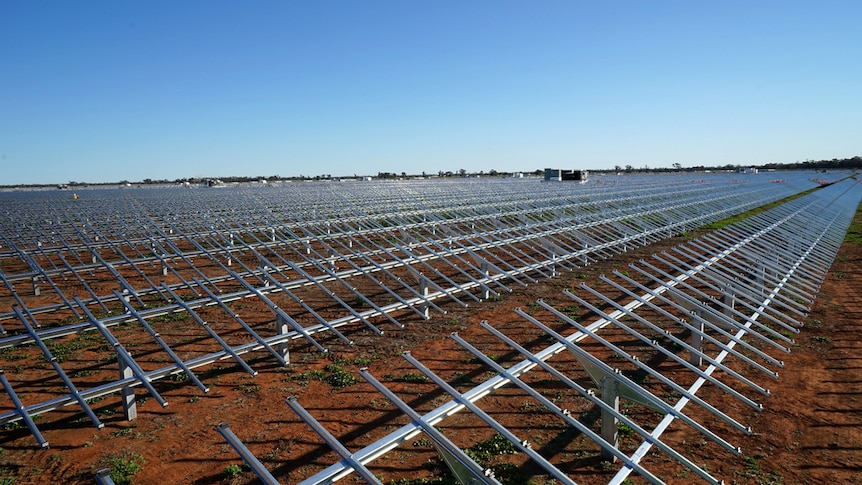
x=116, y=268
x=120, y=267
x=705, y=321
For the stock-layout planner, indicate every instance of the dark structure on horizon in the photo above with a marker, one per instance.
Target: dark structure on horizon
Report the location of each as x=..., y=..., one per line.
x=560, y=175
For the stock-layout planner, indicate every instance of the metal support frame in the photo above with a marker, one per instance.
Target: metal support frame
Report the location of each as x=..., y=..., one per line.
x=21, y=411
x=333, y=443
x=127, y=393
x=610, y=389
x=462, y=466
x=256, y=466
x=671, y=283
x=103, y=477
x=478, y=246
x=282, y=328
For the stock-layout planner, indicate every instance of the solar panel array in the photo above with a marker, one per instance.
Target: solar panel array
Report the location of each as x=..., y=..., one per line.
x=120, y=271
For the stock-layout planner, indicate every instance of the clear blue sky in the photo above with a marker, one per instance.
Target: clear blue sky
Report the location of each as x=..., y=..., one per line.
x=109, y=90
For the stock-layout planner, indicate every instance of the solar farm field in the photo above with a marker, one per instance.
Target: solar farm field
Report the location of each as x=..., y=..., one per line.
x=633, y=329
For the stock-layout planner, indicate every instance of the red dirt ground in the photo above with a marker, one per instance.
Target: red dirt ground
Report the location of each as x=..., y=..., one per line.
x=809, y=432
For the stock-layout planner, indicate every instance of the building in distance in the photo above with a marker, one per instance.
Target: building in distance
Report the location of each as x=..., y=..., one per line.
x=560, y=175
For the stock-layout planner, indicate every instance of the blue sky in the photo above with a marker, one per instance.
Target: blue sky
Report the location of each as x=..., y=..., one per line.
x=105, y=91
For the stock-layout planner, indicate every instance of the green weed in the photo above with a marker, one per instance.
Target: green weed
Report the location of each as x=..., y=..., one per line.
x=232, y=471
x=123, y=466
x=338, y=377
x=412, y=377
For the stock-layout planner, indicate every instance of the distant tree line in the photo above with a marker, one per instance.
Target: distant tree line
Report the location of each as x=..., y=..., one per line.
x=834, y=164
